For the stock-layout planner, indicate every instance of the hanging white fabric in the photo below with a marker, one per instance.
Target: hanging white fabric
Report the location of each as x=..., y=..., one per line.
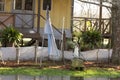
x=52, y=47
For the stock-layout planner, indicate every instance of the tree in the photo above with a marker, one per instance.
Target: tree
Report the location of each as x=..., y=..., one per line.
x=116, y=32
x=10, y=37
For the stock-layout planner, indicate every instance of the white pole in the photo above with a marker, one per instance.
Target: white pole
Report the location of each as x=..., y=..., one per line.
x=62, y=31
x=63, y=26
x=62, y=40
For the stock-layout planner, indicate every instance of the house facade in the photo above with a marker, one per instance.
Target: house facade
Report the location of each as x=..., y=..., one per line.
x=28, y=16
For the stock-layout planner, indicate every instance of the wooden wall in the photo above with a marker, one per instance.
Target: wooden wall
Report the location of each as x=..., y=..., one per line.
x=59, y=9
x=8, y=5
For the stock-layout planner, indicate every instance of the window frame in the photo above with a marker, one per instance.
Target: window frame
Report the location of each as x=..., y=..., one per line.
x=2, y=3
x=23, y=6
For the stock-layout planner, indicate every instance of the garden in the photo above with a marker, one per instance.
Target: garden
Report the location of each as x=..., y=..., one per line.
x=61, y=68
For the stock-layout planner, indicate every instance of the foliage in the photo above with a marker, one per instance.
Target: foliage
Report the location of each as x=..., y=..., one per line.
x=91, y=38
x=70, y=44
x=77, y=37
x=9, y=35
x=89, y=72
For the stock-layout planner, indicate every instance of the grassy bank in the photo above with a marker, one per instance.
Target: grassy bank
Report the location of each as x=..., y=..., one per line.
x=90, y=72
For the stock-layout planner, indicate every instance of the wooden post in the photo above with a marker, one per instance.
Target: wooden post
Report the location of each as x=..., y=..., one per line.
x=64, y=40
x=100, y=15
x=100, y=23
x=36, y=50
x=33, y=15
x=100, y=19
x=17, y=55
x=38, y=22
x=17, y=77
x=63, y=46
x=85, y=27
x=1, y=57
x=35, y=78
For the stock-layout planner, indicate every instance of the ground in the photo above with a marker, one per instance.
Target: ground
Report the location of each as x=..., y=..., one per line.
x=55, y=64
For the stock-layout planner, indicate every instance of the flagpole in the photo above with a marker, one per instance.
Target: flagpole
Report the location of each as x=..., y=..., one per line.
x=62, y=44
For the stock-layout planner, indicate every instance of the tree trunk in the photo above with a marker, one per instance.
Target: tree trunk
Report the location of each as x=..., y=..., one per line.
x=116, y=32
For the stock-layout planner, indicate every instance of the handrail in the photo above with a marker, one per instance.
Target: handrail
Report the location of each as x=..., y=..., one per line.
x=52, y=25
x=18, y=13
x=31, y=14
x=90, y=18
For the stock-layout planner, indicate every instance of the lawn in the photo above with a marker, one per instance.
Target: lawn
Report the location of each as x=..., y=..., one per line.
x=50, y=68
x=88, y=72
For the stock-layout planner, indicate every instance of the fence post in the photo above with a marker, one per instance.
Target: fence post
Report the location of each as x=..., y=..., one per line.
x=17, y=55
x=36, y=49
x=63, y=46
x=1, y=56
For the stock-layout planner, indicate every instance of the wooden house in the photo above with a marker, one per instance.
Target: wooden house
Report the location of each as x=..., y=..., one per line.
x=28, y=16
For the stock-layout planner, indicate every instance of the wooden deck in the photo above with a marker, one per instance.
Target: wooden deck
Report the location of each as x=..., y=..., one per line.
x=83, y=24
x=24, y=26
x=24, y=22
x=29, y=33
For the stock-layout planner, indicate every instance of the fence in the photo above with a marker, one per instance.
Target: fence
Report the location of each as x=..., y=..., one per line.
x=82, y=24
x=24, y=53
x=29, y=53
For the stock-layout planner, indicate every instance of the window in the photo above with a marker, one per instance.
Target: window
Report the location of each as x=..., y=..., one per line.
x=2, y=5
x=46, y=3
x=23, y=4
x=28, y=4
x=18, y=4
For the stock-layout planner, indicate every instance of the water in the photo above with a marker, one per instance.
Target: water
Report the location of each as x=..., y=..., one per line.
x=23, y=77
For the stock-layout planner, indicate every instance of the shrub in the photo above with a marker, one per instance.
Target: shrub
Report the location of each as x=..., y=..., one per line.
x=91, y=38
x=69, y=44
x=10, y=36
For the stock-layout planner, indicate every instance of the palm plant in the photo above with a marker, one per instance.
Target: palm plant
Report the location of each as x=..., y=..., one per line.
x=10, y=36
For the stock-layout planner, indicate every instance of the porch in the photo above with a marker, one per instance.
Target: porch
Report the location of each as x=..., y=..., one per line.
x=25, y=23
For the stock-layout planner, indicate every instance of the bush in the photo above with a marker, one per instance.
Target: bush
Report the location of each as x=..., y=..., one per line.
x=91, y=38
x=10, y=36
x=70, y=44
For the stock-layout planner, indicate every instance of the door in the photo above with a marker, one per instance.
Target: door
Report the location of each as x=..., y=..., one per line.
x=24, y=13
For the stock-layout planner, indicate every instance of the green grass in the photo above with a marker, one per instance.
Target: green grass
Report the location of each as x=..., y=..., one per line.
x=91, y=72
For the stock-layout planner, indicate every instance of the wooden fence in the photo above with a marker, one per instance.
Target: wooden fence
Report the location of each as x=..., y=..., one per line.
x=83, y=24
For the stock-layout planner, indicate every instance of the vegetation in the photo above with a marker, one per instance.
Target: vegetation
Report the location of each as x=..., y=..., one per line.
x=70, y=44
x=77, y=37
x=90, y=72
x=10, y=36
x=91, y=38
x=88, y=38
